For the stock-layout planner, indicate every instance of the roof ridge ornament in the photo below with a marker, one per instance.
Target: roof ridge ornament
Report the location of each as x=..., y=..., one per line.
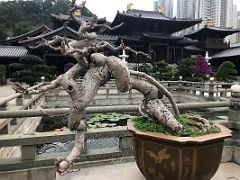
x=161, y=9
x=129, y=6
x=209, y=21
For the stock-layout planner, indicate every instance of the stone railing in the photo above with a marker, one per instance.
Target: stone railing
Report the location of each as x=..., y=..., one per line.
x=17, y=101
x=28, y=158
x=18, y=97
x=28, y=142
x=109, y=95
x=209, y=89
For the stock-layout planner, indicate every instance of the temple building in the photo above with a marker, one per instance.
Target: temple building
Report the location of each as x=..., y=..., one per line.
x=148, y=31
x=211, y=39
x=153, y=32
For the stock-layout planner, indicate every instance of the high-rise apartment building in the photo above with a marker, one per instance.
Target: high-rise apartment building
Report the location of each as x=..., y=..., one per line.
x=165, y=6
x=238, y=25
x=220, y=11
x=234, y=37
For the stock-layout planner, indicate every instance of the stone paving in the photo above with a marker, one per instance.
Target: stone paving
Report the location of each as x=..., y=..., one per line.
x=6, y=90
x=130, y=171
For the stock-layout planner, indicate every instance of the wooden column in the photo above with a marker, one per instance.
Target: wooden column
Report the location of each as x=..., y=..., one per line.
x=167, y=53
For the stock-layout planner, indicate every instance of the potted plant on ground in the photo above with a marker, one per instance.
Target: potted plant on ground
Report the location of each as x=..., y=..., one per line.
x=98, y=69
x=168, y=155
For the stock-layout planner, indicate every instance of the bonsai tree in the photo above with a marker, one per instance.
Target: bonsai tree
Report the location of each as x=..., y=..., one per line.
x=2, y=74
x=185, y=68
x=226, y=72
x=30, y=69
x=98, y=69
x=160, y=70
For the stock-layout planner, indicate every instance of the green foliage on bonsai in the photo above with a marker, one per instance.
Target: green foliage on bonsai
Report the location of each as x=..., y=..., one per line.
x=30, y=69
x=144, y=124
x=226, y=71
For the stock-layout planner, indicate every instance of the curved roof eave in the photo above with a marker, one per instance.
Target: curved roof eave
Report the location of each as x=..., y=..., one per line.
x=161, y=17
x=30, y=33
x=122, y=17
x=227, y=31
x=228, y=53
x=52, y=33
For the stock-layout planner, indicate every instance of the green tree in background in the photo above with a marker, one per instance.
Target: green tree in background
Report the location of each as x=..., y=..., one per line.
x=30, y=69
x=226, y=72
x=18, y=17
x=186, y=70
x=160, y=70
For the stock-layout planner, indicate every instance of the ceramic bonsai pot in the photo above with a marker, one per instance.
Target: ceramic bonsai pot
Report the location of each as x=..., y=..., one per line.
x=167, y=157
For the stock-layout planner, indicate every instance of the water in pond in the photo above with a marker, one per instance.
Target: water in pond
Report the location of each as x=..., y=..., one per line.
x=94, y=121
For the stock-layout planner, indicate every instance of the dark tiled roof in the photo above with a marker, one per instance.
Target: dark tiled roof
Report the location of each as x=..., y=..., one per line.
x=42, y=29
x=228, y=53
x=62, y=31
x=131, y=38
x=160, y=36
x=155, y=15
x=193, y=48
x=107, y=38
x=64, y=17
x=136, y=21
x=211, y=29
x=235, y=45
x=12, y=51
x=187, y=42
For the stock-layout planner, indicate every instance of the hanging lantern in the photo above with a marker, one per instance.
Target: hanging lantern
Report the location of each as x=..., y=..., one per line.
x=77, y=13
x=129, y=6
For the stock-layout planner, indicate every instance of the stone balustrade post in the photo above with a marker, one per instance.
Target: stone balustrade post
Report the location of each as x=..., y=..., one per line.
x=84, y=150
x=19, y=101
x=194, y=89
x=13, y=121
x=107, y=92
x=4, y=106
x=234, y=110
x=180, y=84
x=28, y=96
x=211, y=89
x=28, y=152
x=4, y=130
x=125, y=144
x=130, y=96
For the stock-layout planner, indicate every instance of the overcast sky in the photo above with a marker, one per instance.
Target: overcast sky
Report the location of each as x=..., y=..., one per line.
x=109, y=8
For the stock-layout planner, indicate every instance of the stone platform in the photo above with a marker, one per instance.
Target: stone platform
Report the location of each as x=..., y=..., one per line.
x=130, y=171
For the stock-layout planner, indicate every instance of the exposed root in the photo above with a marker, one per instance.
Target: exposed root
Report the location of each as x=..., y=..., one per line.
x=157, y=110
x=201, y=123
